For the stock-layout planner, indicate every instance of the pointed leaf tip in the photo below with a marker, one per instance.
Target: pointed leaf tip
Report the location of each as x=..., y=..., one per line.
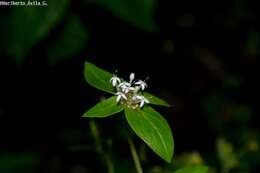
x=104, y=108
x=156, y=100
x=98, y=77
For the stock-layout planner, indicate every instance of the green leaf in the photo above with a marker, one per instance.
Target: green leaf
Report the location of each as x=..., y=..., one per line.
x=104, y=108
x=98, y=77
x=69, y=42
x=139, y=13
x=29, y=25
x=153, y=129
x=155, y=100
x=193, y=169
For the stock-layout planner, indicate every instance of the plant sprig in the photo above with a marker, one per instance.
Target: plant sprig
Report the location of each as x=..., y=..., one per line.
x=146, y=122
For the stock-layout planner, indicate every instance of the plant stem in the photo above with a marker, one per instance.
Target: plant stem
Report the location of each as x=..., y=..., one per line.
x=100, y=150
x=109, y=163
x=135, y=156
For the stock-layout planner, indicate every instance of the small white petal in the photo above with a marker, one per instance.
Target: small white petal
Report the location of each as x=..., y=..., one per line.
x=124, y=84
x=123, y=89
x=142, y=103
x=138, y=97
x=138, y=83
x=114, y=82
x=124, y=97
x=127, y=89
x=132, y=76
x=118, y=93
x=134, y=98
x=118, y=98
x=142, y=84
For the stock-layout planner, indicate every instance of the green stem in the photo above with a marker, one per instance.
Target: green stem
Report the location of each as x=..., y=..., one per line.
x=109, y=164
x=135, y=156
x=101, y=152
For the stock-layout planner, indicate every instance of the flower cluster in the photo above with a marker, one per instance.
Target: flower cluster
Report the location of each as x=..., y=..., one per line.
x=129, y=93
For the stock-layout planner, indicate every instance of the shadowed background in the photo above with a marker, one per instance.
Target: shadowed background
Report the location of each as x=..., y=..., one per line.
x=200, y=57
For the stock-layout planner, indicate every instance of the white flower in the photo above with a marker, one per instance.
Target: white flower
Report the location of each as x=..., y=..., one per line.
x=132, y=76
x=120, y=96
x=115, y=80
x=136, y=89
x=141, y=99
x=125, y=87
x=142, y=84
x=124, y=84
x=126, y=90
x=135, y=99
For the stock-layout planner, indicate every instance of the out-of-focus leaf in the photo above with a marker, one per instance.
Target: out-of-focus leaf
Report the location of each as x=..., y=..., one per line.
x=153, y=129
x=104, y=108
x=226, y=155
x=193, y=169
x=221, y=109
x=240, y=9
x=31, y=24
x=98, y=77
x=242, y=113
x=232, y=81
x=188, y=159
x=155, y=100
x=139, y=13
x=69, y=42
x=125, y=165
x=253, y=43
x=212, y=105
x=16, y=163
x=4, y=43
x=158, y=169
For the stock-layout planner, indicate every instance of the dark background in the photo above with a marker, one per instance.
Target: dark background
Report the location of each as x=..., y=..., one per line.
x=200, y=57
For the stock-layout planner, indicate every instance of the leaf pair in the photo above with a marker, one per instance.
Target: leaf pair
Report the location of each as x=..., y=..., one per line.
x=147, y=123
x=100, y=78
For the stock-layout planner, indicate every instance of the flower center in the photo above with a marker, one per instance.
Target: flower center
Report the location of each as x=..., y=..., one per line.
x=128, y=93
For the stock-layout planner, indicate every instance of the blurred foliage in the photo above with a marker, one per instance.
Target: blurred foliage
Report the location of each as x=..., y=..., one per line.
x=226, y=155
x=253, y=43
x=188, y=159
x=139, y=13
x=19, y=162
x=28, y=26
x=195, y=169
x=70, y=41
x=232, y=81
x=222, y=111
